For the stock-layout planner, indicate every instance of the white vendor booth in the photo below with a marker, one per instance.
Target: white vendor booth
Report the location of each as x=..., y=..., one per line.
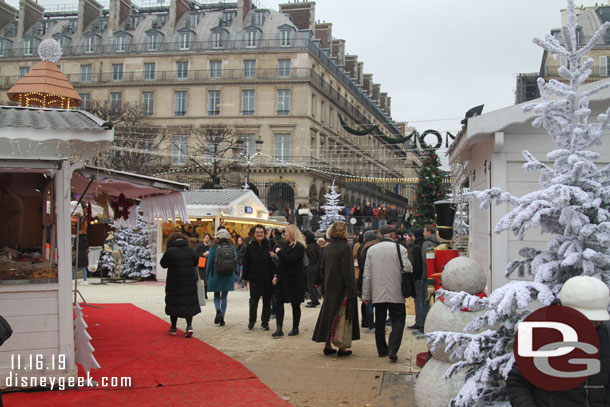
x=39, y=151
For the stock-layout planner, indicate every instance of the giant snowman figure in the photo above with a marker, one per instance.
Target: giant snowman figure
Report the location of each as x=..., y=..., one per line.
x=432, y=389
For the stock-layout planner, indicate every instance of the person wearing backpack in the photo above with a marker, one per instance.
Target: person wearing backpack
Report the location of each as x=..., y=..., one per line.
x=220, y=272
x=289, y=281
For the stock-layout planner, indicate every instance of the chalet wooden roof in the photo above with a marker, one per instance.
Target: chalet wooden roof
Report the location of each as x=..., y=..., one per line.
x=44, y=86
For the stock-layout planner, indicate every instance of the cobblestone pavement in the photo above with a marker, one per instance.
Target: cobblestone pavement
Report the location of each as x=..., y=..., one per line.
x=293, y=367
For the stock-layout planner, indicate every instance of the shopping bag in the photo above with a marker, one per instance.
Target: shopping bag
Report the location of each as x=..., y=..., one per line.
x=341, y=334
x=202, y=262
x=200, y=289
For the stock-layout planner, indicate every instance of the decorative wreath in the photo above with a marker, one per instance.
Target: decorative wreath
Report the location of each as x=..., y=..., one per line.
x=121, y=207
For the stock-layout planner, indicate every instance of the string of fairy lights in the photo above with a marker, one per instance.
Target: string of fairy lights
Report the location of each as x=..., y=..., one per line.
x=284, y=163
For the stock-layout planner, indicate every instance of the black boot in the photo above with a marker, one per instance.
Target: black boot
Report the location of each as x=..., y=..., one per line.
x=294, y=332
x=218, y=316
x=221, y=321
x=278, y=332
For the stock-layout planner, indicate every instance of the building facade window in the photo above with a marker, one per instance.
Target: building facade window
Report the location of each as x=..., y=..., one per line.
x=604, y=62
x=180, y=105
x=116, y=100
x=249, y=68
x=313, y=105
x=215, y=69
x=251, y=39
x=282, y=147
x=247, y=102
x=194, y=19
x=2, y=48
x=152, y=42
x=148, y=103
x=86, y=73
x=331, y=118
x=117, y=72
x=23, y=70
x=28, y=47
x=259, y=18
x=322, y=112
x=182, y=70
x=285, y=38
x=184, y=41
x=213, y=102
x=283, y=68
x=150, y=71
x=249, y=144
x=179, y=150
x=283, y=101
x=89, y=44
x=217, y=39
x=85, y=100
x=120, y=43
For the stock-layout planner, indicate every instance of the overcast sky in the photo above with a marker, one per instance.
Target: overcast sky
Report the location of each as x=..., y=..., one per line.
x=437, y=59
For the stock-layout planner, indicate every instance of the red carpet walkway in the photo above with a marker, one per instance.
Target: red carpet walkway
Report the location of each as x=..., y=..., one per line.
x=165, y=370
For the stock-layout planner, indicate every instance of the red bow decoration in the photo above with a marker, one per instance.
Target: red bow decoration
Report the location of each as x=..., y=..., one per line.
x=121, y=207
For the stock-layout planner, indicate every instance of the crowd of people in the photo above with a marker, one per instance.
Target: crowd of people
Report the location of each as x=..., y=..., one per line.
x=365, y=217
x=286, y=267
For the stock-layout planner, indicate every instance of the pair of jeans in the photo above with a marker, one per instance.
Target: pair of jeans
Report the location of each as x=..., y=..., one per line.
x=370, y=319
x=421, y=305
x=240, y=270
x=220, y=301
x=398, y=316
x=266, y=309
x=84, y=269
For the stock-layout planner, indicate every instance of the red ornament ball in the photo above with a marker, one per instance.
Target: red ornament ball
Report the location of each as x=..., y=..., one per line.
x=422, y=196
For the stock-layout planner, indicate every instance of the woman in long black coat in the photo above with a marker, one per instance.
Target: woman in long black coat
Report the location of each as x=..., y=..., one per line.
x=339, y=283
x=290, y=280
x=181, y=299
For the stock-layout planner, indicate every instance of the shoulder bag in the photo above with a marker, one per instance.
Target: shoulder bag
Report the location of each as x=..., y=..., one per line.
x=407, y=284
x=200, y=289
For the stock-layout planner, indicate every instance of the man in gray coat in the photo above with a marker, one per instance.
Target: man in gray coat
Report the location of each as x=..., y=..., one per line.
x=381, y=286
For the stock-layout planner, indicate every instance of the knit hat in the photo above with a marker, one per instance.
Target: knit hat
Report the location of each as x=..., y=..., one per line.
x=418, y=233
x=588, y=295
x=223, y=234
x=370, y=235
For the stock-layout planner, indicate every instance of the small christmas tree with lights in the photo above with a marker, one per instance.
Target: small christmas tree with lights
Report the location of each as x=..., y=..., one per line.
x=429, y=188
x=331, y=209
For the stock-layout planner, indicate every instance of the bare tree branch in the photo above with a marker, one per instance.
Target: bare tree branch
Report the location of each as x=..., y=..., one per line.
x=216, y=143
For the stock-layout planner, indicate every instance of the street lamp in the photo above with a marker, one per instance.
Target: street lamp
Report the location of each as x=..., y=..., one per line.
x=258, y=146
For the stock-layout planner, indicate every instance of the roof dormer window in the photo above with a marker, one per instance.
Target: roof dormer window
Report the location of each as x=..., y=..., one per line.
x=258, y=19
x=193, y=20
x=286, y=35
x=29, y=46
x=251, y=36
x=227, y=18
x=153, y=39
x=89, y=43
x=219, y=37
x=185, y=39
x=120, y=43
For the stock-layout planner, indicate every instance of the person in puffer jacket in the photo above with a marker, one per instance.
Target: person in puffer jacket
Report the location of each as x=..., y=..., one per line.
x=591, y=297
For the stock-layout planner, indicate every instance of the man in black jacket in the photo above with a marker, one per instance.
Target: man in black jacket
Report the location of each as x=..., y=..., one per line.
x=590, y=297
x=259, y=269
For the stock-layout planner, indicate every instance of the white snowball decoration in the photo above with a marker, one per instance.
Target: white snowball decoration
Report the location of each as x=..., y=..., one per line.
x=464, y=274
x=50, y=50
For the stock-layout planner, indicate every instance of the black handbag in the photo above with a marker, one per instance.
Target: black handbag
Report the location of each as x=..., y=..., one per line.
x=407, y=283
x=5, y=330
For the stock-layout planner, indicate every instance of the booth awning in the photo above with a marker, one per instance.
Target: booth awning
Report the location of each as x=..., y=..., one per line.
x=159, y=198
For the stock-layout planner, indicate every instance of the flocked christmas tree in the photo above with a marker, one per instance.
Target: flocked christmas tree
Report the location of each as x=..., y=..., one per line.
x=429, y=188
x=82, y=342
x=573, y=205
x=331, y=209
x=137, y=261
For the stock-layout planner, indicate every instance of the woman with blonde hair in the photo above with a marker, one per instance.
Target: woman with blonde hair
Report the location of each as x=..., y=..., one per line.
x=340, y=284
x=289, y=281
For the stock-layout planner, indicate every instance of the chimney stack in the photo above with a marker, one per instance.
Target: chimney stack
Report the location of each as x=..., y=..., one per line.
x=119, y=11
x=303, y=14
x=29, y=14
x=177, y=8
x=243, y=8
x=88, y=10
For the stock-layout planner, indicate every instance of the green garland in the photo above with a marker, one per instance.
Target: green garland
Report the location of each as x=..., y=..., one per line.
x=358, y=132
